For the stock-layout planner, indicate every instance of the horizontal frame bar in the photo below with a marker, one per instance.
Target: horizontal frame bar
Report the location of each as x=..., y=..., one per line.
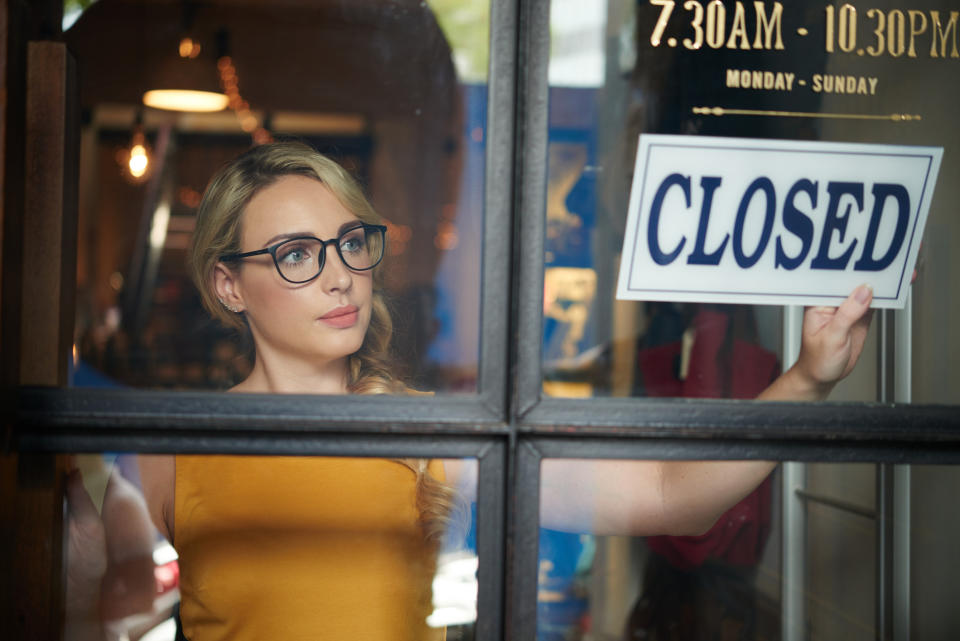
x=214, y=411
x=723, y=447
x=256, y=443
x=701, y=418
x=787, y=431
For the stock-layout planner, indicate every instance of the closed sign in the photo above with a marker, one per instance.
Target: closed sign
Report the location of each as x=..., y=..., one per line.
x=733, y=220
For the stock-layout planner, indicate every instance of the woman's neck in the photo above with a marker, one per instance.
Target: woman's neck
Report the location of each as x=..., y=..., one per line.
x=271, y=376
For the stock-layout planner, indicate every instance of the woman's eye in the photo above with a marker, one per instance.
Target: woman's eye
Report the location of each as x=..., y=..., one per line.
x=353, y=243
x=293, y=255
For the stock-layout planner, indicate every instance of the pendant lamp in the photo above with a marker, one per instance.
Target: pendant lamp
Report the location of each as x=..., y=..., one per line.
x=186, y=81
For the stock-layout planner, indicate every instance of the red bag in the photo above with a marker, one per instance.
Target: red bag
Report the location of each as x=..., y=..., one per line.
x=741, y=371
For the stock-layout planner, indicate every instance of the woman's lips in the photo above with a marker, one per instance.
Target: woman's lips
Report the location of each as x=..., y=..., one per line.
x=341, y=317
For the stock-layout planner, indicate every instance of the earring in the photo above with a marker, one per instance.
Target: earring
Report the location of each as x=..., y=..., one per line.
x=235, y=310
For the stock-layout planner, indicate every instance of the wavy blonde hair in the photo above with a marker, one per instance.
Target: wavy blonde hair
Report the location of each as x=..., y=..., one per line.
x=218, y=232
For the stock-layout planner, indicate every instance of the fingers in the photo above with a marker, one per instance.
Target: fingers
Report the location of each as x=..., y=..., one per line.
x=853, y=309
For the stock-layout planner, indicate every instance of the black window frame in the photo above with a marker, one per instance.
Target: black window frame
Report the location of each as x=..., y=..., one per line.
x=508, y=425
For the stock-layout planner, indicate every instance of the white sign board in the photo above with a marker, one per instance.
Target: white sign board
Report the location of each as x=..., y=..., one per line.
x=784, y=222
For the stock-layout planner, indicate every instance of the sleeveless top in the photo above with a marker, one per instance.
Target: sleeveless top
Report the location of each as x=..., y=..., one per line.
x=301, y=548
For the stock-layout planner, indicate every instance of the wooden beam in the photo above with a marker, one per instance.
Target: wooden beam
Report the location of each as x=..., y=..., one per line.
x=47, y=269
x=50, y=220
x=13, y=66
x=13, y=38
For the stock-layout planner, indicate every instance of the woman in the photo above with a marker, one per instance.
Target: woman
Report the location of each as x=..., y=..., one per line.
x=286, y=247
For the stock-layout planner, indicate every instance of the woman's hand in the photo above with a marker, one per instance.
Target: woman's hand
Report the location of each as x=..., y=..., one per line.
x=832, y=342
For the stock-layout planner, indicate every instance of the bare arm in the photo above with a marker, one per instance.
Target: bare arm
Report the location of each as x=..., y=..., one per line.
x=687, y=497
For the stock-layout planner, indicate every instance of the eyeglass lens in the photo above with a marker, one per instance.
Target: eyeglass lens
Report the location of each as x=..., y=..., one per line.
x=301, y=259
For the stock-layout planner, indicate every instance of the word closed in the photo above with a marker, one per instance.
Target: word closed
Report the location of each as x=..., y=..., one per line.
x=780, y=222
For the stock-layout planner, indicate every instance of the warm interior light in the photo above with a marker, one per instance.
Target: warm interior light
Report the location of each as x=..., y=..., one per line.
x=184, y=100
x=189, y=48
x=138, y=161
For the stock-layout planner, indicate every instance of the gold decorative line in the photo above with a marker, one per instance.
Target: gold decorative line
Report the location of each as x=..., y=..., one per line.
x=723, y=111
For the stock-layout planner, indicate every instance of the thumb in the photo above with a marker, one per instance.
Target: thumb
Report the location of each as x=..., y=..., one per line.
x=852, y=310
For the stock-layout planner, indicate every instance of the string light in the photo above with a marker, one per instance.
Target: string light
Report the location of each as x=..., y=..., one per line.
x=231, y=87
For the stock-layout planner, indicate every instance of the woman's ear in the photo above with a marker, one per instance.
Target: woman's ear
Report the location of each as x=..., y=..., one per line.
x=227, y=288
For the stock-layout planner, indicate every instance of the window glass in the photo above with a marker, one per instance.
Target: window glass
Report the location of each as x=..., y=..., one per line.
x=612, y=564
x=617, y=69
x=248, y=545
x=396, y=93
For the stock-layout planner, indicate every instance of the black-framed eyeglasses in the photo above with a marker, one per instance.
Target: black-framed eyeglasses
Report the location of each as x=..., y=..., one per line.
x=301, y=259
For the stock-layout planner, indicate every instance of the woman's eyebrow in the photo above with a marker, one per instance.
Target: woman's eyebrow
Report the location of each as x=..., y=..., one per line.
x=287, y=236
x=350, y=224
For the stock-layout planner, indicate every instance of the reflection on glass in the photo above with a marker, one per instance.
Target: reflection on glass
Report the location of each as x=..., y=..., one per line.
x=243, y=547
x=412, y=86
x=619, y=69
x=613, y=566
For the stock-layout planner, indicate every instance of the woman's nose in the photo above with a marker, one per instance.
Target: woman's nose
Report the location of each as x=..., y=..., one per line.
x=335, y=275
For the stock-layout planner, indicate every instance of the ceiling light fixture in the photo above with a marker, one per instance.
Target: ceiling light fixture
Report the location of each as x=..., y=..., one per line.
x=186, y=82
x=192, y=100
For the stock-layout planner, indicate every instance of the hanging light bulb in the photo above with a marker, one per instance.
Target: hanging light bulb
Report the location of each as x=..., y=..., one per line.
x=189, y=48
x=139, y=160
x=135, y=159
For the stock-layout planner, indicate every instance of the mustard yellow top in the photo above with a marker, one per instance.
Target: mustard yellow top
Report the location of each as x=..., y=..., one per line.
x=301, y=548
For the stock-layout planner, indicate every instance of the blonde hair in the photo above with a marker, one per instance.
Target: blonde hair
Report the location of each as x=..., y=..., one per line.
x=218, y=232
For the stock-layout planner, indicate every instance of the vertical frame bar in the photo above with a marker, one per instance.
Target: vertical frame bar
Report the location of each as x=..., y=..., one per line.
x=531, y=203
x=901, y=553
x=895, y=337
x=491, y=497
x=793, y=571
x=495, y=303
x=884, y=532
x=524, y=534
x=886, y=387
x=903, y=393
